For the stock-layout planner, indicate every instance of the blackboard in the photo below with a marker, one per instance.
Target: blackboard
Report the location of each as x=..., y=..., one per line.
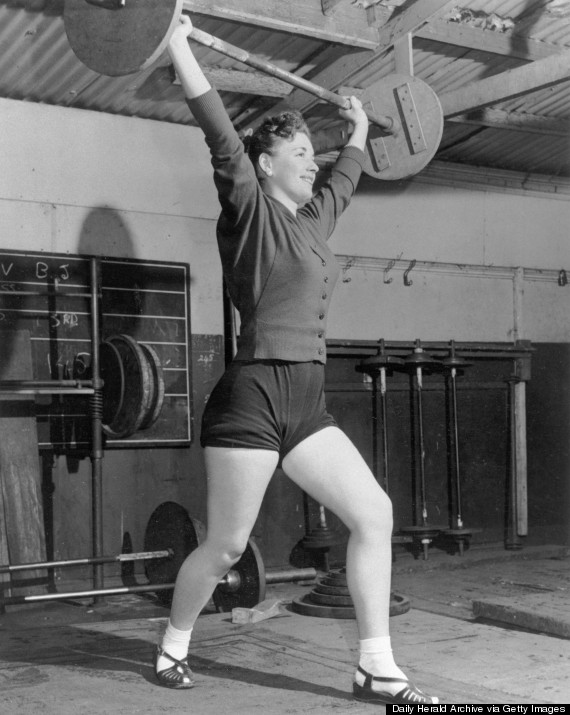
x=148, y=300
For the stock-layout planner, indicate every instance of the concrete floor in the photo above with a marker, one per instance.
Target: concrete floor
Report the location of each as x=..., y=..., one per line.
x=71, y=658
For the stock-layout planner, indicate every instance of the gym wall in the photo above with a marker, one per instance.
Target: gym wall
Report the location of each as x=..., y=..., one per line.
x=89, y=183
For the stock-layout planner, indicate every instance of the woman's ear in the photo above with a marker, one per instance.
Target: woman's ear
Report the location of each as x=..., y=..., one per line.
x=264, y=162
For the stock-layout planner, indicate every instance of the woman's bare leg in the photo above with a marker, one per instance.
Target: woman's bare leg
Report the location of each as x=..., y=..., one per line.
x=331, y=470
x=237, y=481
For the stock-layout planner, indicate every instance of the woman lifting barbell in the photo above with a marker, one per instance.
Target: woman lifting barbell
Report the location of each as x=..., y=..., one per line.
x=269, y=408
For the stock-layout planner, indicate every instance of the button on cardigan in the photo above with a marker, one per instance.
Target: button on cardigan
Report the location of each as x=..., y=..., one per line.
x=279, y=271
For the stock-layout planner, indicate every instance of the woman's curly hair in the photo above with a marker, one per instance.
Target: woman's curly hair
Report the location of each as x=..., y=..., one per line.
x=281, y=126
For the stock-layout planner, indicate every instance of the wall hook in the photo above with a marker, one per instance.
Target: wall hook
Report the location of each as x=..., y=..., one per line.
x=407, y=281
x=389, y=266
x=345, y=277
x=562, y=278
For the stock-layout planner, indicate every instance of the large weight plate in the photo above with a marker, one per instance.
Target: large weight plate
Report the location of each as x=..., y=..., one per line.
x=250, y=575
x=157, y=387
x=138, y=388
x=122, y=41
x=169, y=527
x=417, y=110
x=113, y=376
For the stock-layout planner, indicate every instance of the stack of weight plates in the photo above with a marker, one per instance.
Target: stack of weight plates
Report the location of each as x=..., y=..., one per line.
x=133, y=389
x=330, y=599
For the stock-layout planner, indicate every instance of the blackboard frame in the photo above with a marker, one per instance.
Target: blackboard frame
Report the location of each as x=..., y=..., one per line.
x=48, y=295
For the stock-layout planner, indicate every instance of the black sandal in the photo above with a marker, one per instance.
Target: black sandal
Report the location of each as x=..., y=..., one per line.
x=408, y=695
x=178, y=676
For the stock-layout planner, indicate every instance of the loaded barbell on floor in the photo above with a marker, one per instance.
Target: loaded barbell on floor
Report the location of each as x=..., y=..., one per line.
x=121, y=37
x=171, y=535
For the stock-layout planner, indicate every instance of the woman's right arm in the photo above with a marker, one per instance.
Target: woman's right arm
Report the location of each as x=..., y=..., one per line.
x=194, y=82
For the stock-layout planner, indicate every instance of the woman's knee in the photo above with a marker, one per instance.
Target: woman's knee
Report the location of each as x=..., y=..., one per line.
x=226, y=552
x=377, y=518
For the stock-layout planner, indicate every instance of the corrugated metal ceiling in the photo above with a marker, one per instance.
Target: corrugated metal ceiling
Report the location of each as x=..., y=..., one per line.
x=38, y=65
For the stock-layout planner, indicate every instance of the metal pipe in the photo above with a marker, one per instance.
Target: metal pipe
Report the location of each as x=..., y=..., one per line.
x=46, y=387
x=96, y=411
x=278, y=576
x=236, y=53
x=138, y=556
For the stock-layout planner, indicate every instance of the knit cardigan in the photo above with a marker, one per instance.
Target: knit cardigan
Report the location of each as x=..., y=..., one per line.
x=279, y=271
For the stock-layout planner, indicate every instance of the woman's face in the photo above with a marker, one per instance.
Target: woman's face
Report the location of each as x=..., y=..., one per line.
x=290, y=169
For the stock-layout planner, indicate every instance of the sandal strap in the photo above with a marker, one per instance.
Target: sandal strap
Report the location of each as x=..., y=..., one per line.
x=369, y=678
x=161, y=653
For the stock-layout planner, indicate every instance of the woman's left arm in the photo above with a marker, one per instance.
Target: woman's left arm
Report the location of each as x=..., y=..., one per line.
x=356, y=115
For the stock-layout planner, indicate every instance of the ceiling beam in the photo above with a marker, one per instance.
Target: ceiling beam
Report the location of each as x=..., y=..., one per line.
x=515, y=121
x=348, y=25
x=507, y=85
x=508, y=44
x=339, y=71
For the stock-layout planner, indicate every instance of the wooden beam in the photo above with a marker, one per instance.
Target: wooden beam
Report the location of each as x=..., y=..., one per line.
x=508, y=44
x=348, y=25
x=515, y=121
x=507, y=85
x=411, y=19
x=328, y=6
x=404, y=55
x=345, y=67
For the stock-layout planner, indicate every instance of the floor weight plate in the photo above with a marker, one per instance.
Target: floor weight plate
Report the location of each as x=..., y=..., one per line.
x=307, y=607
x=246, y=583
x=326, y=599
x=169, y=527
x=332, y=590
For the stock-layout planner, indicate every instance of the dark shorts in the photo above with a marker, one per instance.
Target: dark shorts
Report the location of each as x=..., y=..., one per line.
x=266, y=404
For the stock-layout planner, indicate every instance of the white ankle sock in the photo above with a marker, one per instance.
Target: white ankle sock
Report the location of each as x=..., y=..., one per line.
x=376, y=658
x=175, y=642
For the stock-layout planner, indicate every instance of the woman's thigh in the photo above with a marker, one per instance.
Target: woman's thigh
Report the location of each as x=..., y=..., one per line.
x=237, y=482
x=332, y=471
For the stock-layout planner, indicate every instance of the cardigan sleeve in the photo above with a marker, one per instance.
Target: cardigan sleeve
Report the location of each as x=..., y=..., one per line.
x=335, y=194
x=234, y=174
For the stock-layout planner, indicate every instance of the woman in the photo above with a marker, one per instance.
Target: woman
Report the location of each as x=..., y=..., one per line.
x=269, y=408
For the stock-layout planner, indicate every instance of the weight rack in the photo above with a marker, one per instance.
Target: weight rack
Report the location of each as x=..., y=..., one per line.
x=92, y=387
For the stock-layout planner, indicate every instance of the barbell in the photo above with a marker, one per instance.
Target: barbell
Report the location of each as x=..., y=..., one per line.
x=121, y=37
x=171, y=535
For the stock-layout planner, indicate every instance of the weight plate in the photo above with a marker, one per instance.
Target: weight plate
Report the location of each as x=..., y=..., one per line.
x=169, y=527
x=157, y=387
x=138, y=388
x=325, y=599
x=113, y=376
x=306, y=607
x=120, y=41
x=246, y=582
x=332, y=590
x=419, y=117
x=334, y=579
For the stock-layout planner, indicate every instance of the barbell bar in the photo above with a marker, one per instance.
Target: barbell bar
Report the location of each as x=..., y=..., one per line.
x=86, y=561
x=243, y=585
x=132, y=35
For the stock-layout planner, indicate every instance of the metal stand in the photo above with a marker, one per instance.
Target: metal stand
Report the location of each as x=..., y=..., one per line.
x=457, y=532
x=94, y=388
x=423, y=532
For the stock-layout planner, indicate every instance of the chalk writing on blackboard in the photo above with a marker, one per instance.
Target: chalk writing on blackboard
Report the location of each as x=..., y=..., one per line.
x=49, y=296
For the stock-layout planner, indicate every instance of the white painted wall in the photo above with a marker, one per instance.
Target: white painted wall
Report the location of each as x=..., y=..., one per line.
x=85, y=182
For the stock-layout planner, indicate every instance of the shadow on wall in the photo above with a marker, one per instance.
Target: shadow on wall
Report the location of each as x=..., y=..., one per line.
x=105, y=233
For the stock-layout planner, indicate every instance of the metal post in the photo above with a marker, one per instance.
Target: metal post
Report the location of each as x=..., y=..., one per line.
x=96, y=409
